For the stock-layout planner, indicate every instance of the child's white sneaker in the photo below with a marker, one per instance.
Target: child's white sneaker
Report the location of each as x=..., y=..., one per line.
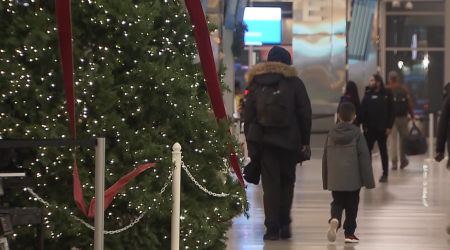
x=332, y=229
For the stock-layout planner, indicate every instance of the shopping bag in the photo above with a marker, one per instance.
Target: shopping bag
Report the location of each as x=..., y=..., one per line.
x=415, y=142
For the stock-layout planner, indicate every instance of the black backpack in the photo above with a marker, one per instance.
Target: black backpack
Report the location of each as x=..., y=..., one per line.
x=400, y=101
x=275, y=104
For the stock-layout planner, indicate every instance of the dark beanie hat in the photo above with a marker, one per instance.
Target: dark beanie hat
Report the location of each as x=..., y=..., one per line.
x=278, y=54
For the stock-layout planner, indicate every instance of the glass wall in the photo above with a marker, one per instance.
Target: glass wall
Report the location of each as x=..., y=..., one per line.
x=241, y=67
x=421, y=6
x=410, y=31
x=422, y=72
x=415, y=41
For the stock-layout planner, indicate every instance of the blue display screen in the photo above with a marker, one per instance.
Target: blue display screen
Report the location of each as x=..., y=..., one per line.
x=264, y=25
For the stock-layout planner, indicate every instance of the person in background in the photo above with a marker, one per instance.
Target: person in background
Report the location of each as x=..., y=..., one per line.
x=278, y=117
x=351, y=95
x=346, y=152
x=239, y=99
x=237, y=87
x=378, y=115
x=443, y=134
x=403, y=107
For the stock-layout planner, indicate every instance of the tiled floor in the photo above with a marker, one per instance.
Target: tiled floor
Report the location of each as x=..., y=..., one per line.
x=408, y=213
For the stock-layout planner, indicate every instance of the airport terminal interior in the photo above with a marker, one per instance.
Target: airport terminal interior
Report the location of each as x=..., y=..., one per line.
x=147, y=93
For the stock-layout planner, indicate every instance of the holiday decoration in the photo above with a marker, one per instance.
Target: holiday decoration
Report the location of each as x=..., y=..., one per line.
x=135, y=84
x=238, y=39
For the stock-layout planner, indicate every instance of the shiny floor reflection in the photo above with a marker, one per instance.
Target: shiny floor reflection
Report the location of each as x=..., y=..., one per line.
x=408, y=213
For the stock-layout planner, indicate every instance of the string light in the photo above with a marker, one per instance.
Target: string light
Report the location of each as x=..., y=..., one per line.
x=135, y=84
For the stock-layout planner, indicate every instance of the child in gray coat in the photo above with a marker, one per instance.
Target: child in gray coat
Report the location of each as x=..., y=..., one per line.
x=346, y=167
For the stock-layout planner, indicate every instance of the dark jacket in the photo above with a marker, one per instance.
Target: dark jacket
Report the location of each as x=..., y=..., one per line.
x=443, y=134
x=346, y=162
x=348, y=99
x=377, y=110
x=299, y=132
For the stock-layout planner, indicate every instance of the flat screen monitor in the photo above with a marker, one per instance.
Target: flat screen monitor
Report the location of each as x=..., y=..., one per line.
x=264, y=25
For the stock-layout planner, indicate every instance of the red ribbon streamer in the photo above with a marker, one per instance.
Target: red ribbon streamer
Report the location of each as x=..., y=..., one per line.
x=63, y=15
x=202, y=38
x=65, y=47
x=112, y=191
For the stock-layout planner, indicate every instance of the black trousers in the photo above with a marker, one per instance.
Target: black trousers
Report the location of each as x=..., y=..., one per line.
x=278, y=179
x=381, y=138
x=348, y=201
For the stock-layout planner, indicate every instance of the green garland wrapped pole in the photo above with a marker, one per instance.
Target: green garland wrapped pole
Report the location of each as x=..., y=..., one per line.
x=238, y=39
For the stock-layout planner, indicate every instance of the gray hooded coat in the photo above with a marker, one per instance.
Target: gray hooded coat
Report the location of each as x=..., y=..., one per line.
x=346, y=162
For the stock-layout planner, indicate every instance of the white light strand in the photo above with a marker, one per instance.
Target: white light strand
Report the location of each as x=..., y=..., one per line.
x=90, y=226
x=221, y=195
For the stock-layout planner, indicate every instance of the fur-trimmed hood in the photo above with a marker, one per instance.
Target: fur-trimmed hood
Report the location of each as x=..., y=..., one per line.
x=274, y=68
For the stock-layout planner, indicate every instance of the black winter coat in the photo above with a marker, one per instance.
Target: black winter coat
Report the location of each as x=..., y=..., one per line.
x=377, y=110
x=299, y=133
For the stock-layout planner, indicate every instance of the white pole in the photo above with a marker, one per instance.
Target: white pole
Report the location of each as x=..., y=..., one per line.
x=176, y=189
x=99, y=194
x=431, y=136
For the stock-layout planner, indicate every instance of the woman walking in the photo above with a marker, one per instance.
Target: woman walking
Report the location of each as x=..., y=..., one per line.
x=351, y=95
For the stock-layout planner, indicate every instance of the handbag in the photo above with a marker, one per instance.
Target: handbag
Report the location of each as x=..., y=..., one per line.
x=415, y=142
x=252, y=172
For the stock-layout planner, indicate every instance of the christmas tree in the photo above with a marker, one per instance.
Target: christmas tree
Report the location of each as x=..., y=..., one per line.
x=136, y=85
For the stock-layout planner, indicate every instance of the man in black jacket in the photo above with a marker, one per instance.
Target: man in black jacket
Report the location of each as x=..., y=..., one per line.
x=277, y=127
x=443, y=135
x=378, y=116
